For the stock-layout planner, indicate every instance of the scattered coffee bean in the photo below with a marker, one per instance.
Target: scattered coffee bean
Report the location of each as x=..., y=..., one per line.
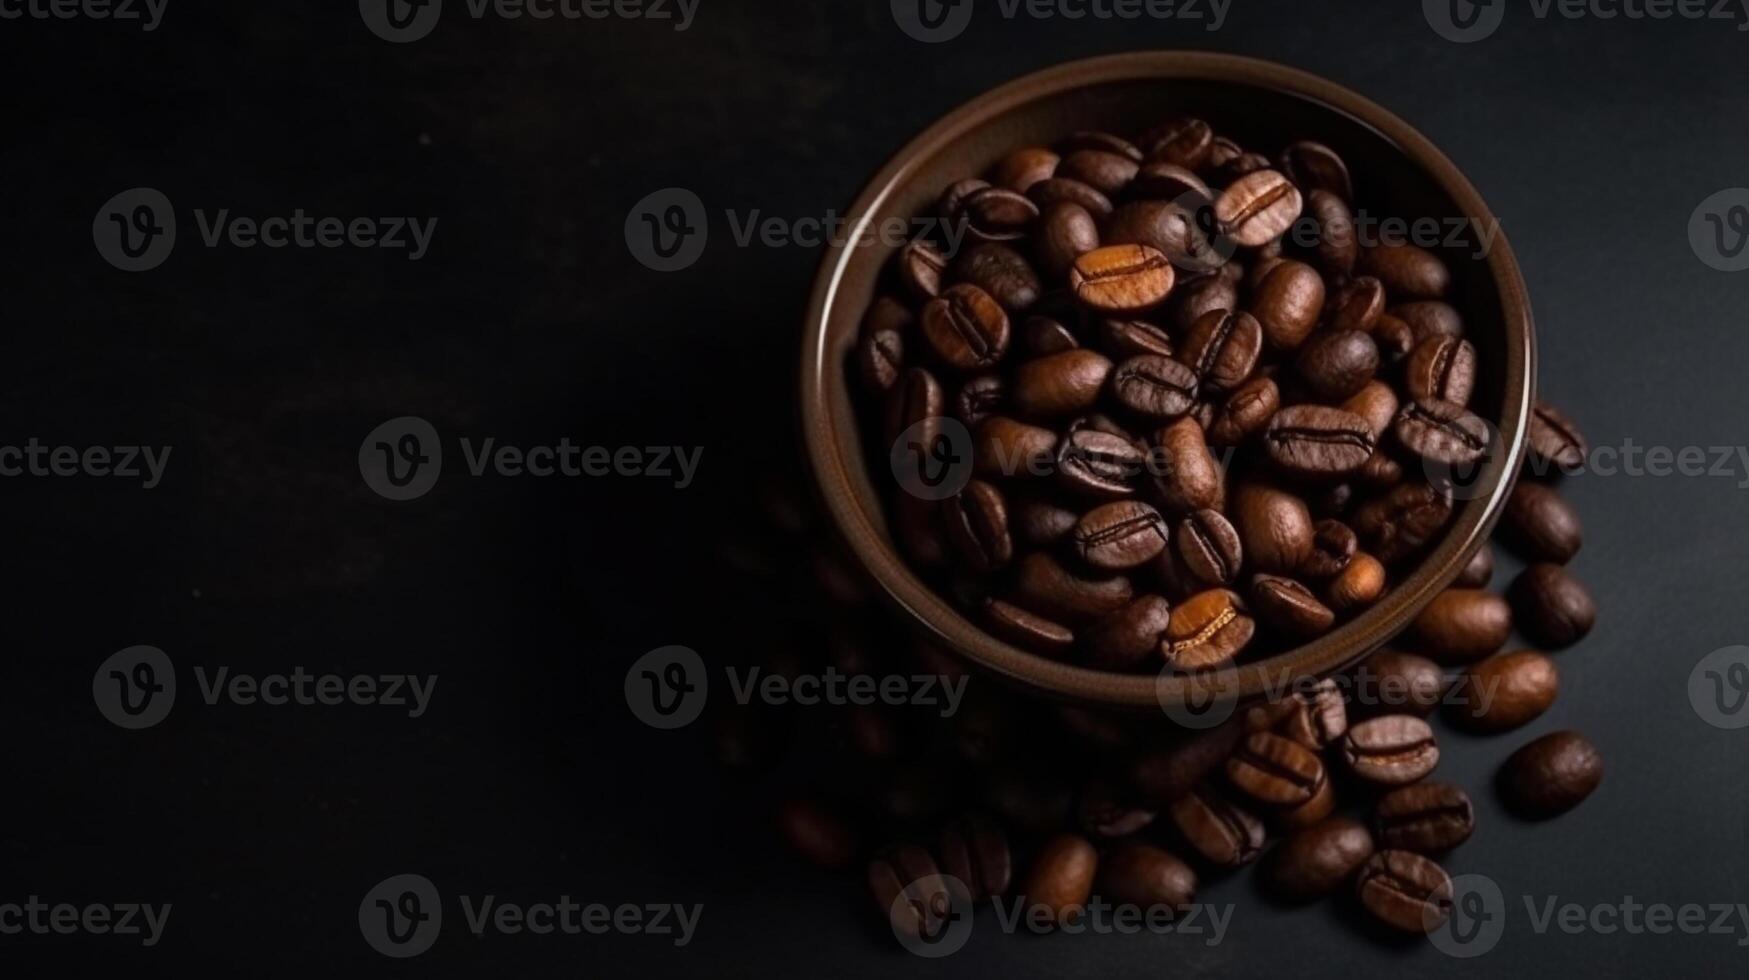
x=1552, y=607
x=974, y=850
x=1275, y=771
x=1551, y=775
x=1061, y=878
x=1392, y=750
x=909, y=890
x=1405, y=891
x=1479, y=571
x=1462, y=626
x=1393, y=682
x=1317, y=860
x=1147, y=877
x=1503, y=692
x=1554, y=441
x=1541, y=524
x=1427, y=818
x=1224, y=834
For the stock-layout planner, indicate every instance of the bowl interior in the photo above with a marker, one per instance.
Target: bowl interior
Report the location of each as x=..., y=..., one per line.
x=1397, y=175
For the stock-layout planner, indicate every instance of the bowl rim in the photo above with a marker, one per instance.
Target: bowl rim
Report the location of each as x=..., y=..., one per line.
x=1191, y=692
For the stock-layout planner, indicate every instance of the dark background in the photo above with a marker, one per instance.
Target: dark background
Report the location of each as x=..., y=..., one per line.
x=529, y=320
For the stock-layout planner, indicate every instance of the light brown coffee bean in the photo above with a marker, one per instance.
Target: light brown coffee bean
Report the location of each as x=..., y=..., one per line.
x=1121, y=279
x=1391, y=750
x=1503, y=692
x=966, y=328
x=1207, y=630
x=1462, y=626
x=1258, y=207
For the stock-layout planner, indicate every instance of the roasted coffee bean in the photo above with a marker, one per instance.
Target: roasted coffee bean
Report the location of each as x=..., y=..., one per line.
x=977, y=524
x=1001, y=272
x=1038, y=522
x=1288, y=302
x=1124, y=339
x=1551, y=775
x=1377, y=403
x=1275, y=771
x=1442, y=433
x=1119, y=536
x=1275, y=527
x=1186, y=142
x=997, y=214
x=1318, y=441
x=880, y=356
x=1336, y=364
x=818, y=834
x=1314, y=166
x=1479, y=571
x=1017, y=626
x=1245, y=412
x=1338, y=246
x=1222, y=151
x=1104, y=171
x=1441, y=369
x=1207, y=630
x=1024, y=167
x=1320, y=716
x=1121, y=279
x=1541, y=524
x=1391, y=682
x=1258, y=207
x=1059, y=384
x=1002, y=447
x=1242, y=165
x=1129, y=638
x=1029, y=801
x=1066, y=232
x=1359, y=585
x=1094, y=140
x=1059, y=190
x=1154, y=387
x=1196, y=299
x=1222, y=349
x=1552, y=607
x=1317, y=860
x=1406, y=270
x=1061, y=878
x=1357, y=305
x=952, y=203
x=1224, y=834
x=916, y=401
x=1333, y=546
x=979, y=398
x=1405, y=891
x=909, y=890
x=1168, y=182
x=1394, y=337
x=1209, y=547
x=1380, y=472
x=1098, y=464
x=920, y=268
x=974, y=850
x=1048, y=589
x=1166, y=773
x=1289, y=607
x=1554, y=441
x=1462, y=626
x=1427, y=818
x=1187, y=477
x=1392, y=750
x=1102, y=812
x=1503, y=692
x=1179, y=231
x=1430, y=318
x=1403, y=522
x=966, y=328
x=1041, y=336
x=1147, y=877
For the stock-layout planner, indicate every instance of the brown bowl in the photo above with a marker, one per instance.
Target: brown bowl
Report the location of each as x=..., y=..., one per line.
x=1261, y=105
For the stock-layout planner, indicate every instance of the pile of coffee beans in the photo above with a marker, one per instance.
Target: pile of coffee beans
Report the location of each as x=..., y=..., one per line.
x=1204, y=417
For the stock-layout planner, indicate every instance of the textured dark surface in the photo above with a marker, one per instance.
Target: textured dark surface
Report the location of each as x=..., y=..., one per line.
x=1593, y=140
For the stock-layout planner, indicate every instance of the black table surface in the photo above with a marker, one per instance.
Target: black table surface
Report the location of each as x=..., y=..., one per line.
x=1593, y=139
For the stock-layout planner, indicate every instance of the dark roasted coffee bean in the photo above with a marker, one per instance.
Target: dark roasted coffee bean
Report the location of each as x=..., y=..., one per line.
x=966, y=328
x=1357, y=305
x=979, y=398
x=1403, y=522
x=1430, y=318
x=1178, y=230
x=1554, y=442
x=1380, y=472
x=1119, y=536
x=1443, y=433
x=1359, y=585
x=1047, y=588
x=1166, y=773
x=1317, y=860
x=1240, y=166
x=1551, y=775
x=1059, y=190
x=1335, y=364
x=997, y=214
x=1024, y=167
x=1289, y=607
x=1124, y=339
x=1441, y=369
x=1245, y=412
x=1503, y=692
x=818, y=834
x=1168, y=182
x=909, y=890
x=1040, y=336
x=1479, y=571
x=1029, y=801
x=921, y=267
x=1274, y=525
x=1406, y=270
x=1314, y=166
x=1541, y=524
x=974, y=850
x=1209, y=547
x=1104, y=171
x=1207, y=630
x=1121, y=279
x=1185, y=476
x=1333, y=546
x=1061, y=878
x=1377, y=403
x=917, y=400
x=1147, y=877
x=1154, y=387
x=1258, y=207
x=1222, y=151
x=1186, y=142
x=1006, y=448
x=1392, y=750
x=1098, y=464
x=1338, y=246
x=1275, y=771
x=1318, y=441
x=952, y=203
x=1103, y=812
x=1094, y=140
x=1017, y=626
x=1288, y=302
x=1552, y=607
x=1059, y=384
x=1319, y=716
x=977, y=524
x=1221, y=832
x=1196, y=299
x=1393, y=682
x=1128, y=638
x=1002, y=272
x=1405, y=891
x=880, y=356
x=1038, y=522
x=1395, y=339
x=1462, y=626
x=1427, y=818
x=1222, y=349
x=1066, y=232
